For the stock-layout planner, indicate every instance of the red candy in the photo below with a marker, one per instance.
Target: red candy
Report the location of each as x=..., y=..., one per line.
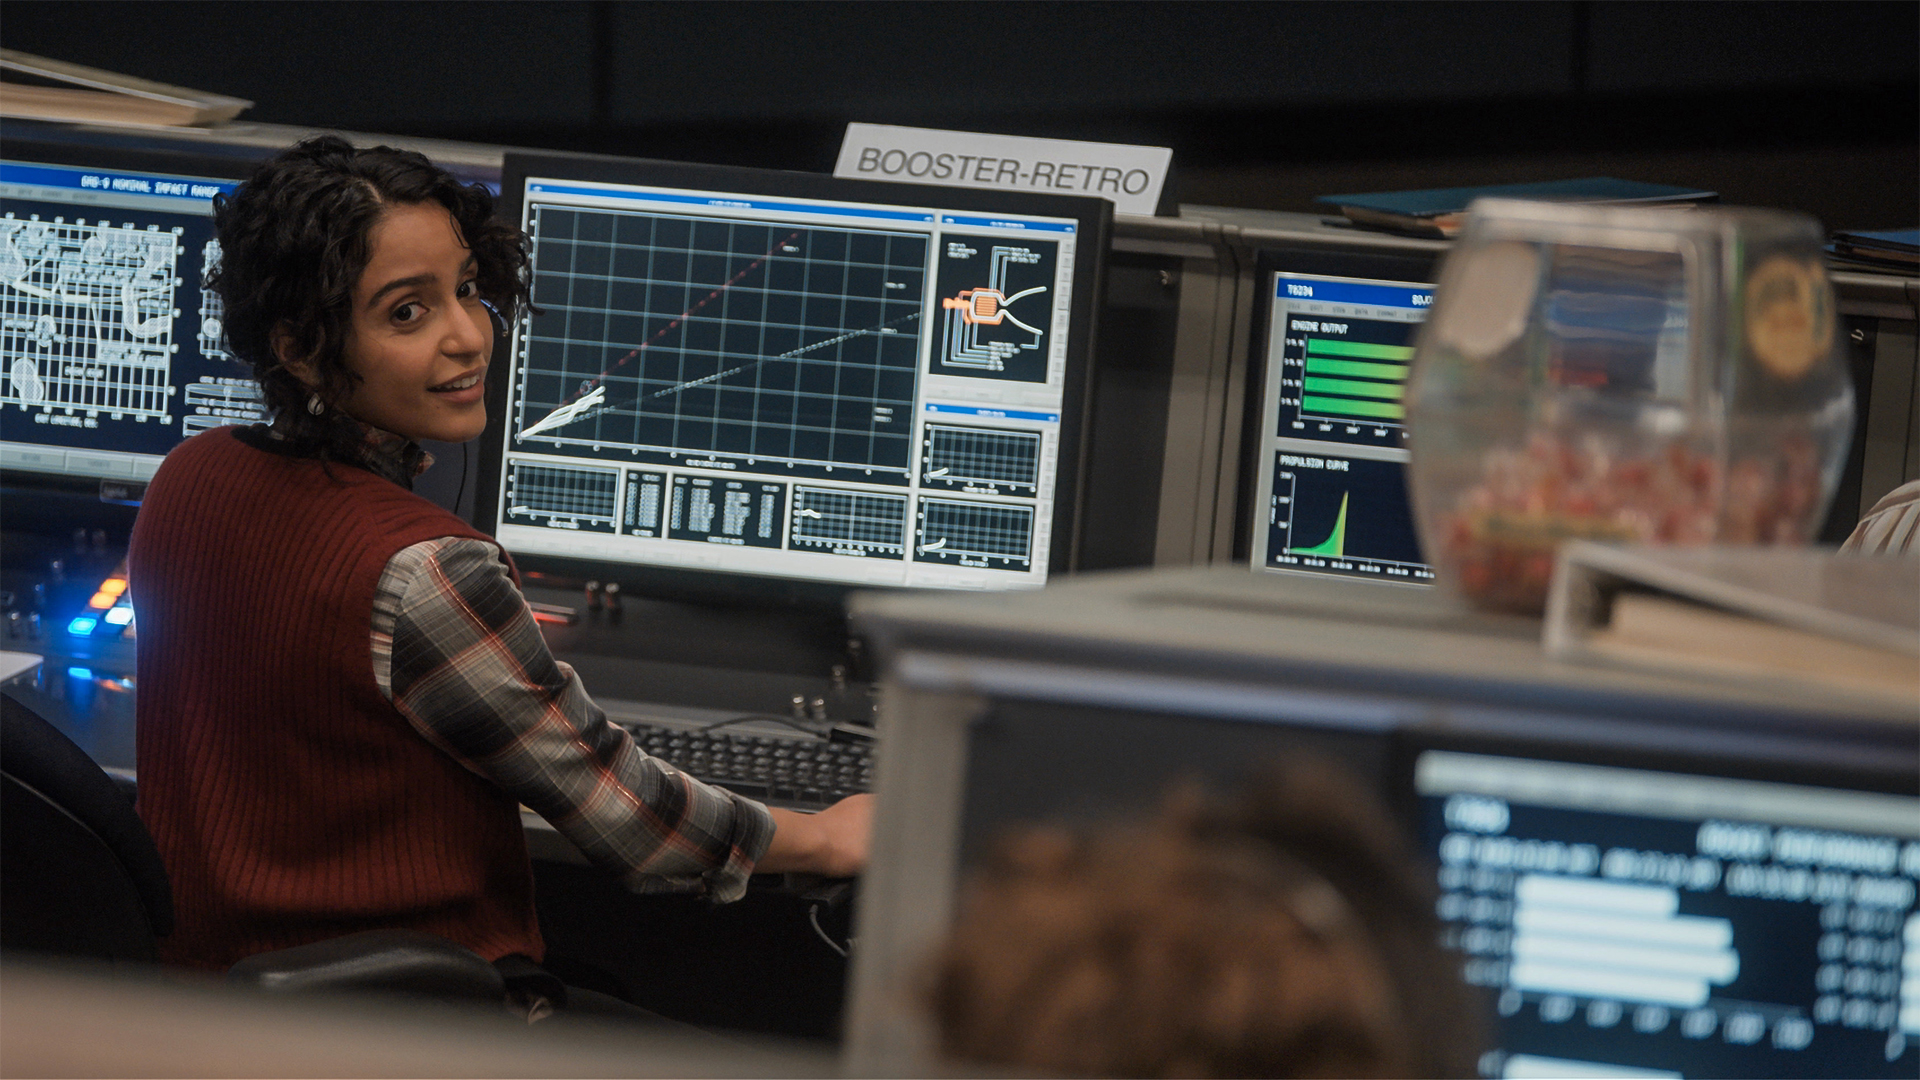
x=1500, y=538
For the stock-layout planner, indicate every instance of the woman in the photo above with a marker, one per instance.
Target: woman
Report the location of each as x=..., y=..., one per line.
x=343, y=697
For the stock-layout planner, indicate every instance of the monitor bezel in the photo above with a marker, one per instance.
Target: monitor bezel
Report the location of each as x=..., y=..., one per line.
x=1094, y=223
x=1366, y=264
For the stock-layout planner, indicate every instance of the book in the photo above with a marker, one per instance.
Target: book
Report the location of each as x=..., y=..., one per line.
x=1440, y=212
x=1893, y=249
x=1848, y=623
x=37, y=88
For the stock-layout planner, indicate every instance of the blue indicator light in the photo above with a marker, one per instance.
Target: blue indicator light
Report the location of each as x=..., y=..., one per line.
x=80, y=673
x=82, y=626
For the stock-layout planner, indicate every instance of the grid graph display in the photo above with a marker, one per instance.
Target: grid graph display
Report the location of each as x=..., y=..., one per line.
x=563, y=496
x=88, y=312
x=981, y=459
x=848, y=522
x=671, y=336
x=998, y=535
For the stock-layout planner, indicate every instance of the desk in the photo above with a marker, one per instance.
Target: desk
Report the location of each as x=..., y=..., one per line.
x=1085, y=699
x=756, y=965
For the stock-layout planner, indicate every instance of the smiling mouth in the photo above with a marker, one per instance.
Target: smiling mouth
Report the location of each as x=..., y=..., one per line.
x=464, y=382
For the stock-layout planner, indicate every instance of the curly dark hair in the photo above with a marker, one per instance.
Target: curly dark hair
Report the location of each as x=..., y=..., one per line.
x=293, y=243
x=1288, y=932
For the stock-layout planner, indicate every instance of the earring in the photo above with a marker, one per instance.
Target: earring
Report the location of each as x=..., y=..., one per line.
x=314, y=405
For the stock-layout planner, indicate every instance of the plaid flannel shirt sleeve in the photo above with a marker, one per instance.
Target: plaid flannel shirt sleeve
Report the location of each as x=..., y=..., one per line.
x=459, y=654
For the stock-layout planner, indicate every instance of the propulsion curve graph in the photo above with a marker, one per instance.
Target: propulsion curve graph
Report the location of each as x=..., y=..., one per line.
x=765, y=344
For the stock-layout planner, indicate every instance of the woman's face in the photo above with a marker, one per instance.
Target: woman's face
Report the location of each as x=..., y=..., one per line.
x=421, y=337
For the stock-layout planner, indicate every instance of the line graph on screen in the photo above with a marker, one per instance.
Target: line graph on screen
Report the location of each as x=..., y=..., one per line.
x=673, y=335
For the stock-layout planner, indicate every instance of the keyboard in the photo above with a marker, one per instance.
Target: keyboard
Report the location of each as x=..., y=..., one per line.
x=798, y=770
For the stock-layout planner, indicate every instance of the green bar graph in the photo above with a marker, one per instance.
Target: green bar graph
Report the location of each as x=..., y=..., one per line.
x=1366, y=350
x=1335, y=545
x=1382, y=390
x=1378, y=410
x=1320, y=365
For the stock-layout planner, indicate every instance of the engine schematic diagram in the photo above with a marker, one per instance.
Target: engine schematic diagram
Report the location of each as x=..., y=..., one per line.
x=87, y=315
x=998, y=308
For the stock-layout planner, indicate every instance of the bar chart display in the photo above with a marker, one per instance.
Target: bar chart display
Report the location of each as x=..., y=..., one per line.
x=1633, y=923
x=1344, y=348
x=1330, y=492
x=1342, y=515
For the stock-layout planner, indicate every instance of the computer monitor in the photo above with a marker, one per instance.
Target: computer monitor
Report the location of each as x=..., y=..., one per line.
x=1325, y=452
x=1629, y=915
x=757, y=384
x=110, y=344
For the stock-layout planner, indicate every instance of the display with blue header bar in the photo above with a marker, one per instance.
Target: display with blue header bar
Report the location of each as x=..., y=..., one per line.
x=112, y=254
x=995, y=414
x=118, y=183
x=722, y=202
x=1351, y=292
x=797, y=377
x=1004, y=223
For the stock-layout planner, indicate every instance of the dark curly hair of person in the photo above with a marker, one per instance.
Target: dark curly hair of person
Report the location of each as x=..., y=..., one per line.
x=1288, y=932
x=294, y=240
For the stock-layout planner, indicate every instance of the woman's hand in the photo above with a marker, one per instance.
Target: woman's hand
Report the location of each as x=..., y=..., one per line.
x=831, y=843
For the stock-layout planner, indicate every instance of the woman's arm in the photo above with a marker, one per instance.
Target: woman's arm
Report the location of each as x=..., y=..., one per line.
x=832, y=843
x=462, y=659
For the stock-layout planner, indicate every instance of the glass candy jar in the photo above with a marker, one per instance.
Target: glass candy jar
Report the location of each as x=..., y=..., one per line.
x=1634, y=374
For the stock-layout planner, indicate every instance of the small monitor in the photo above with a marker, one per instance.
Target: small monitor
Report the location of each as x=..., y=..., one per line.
x=111, y=347
x=1325, y=469
x=1645, y=918
x=754, y=383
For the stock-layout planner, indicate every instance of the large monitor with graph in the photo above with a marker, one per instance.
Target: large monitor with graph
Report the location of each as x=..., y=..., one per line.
x=1324, y=468
x=1628, y=916
x=111, y=348
x=740, y=378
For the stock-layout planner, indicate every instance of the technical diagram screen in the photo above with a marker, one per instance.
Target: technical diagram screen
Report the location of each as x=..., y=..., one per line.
x=1629, y=922
x=792, y=376
x=1329, y=459
x=110, y=347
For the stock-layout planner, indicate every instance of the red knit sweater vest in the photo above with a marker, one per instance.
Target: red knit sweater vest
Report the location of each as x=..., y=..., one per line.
x=289, y=799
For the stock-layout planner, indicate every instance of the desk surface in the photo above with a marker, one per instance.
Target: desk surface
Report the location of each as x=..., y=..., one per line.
x=1271, y=626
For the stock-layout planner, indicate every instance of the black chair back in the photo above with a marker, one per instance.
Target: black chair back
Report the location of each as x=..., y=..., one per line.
x=79, y=875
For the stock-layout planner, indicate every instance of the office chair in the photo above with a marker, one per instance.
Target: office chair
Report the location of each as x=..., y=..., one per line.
x=80, y=877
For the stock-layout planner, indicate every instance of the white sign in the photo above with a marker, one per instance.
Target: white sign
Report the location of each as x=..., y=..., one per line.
x=1130, y=176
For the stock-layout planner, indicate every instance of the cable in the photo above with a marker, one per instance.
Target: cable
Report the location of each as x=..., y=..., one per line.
x=813, y=916
x=460, y=493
